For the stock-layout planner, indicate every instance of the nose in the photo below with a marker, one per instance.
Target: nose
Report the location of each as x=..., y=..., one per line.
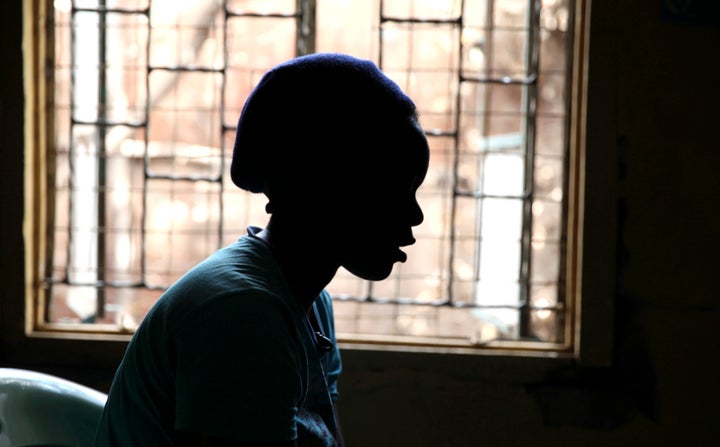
x=416, y=214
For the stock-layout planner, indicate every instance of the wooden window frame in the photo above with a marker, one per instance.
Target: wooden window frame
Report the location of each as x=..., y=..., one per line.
x=591, y=239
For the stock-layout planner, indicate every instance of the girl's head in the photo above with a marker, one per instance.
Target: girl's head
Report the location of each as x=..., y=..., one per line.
x=330, y=138
x=312, y=114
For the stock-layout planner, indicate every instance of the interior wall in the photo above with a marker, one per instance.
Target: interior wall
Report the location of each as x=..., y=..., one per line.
x=654, y=96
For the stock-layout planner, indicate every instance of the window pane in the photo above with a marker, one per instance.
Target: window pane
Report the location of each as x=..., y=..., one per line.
x=146, y=101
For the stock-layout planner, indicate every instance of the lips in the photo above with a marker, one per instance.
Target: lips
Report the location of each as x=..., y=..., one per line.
x=402, y=256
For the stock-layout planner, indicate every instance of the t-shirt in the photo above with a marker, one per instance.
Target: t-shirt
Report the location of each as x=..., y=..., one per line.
x=227, y=351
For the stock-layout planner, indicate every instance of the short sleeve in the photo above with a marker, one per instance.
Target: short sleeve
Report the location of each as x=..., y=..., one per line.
x=238, y=370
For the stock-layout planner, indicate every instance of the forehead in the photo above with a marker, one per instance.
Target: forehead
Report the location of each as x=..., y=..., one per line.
x=405, y=148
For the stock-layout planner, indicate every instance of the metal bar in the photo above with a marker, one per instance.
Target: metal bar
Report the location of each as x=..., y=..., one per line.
x=381, y=5
x=257, y=15
x=452, y=236
x=443, y=303
x=104, y=10
x=110, y=284
x=486, y=101
x=506, y=80
x=146, y=151
x=101, y=162
x=305, y=28
x=223, y=88
x=482, y=195
x=184, y=68
x=530, y=105
x=71, y=146
x=457, y=21
x=178, y=177
x=107, y=123
x=370, y=284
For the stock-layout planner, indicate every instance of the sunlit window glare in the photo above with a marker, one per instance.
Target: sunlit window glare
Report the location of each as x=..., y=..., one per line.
x=147, y=97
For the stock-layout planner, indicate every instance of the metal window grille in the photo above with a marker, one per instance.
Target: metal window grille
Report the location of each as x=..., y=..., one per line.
x=147, y=94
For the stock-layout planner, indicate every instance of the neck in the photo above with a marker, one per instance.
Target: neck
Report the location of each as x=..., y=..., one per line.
x=304, y=258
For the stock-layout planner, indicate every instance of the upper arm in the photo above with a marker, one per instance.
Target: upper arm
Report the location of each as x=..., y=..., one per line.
x=238, y=373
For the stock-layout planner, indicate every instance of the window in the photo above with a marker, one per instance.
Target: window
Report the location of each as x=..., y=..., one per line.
x=144, y=98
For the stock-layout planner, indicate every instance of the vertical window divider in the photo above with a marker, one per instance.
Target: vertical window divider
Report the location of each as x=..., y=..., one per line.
x=452, y=236
x=146, y=151
x=101, y=161
x=306, y=23
x=529, y=100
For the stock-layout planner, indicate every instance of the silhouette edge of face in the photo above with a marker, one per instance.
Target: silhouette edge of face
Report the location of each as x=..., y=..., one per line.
x=369, y=245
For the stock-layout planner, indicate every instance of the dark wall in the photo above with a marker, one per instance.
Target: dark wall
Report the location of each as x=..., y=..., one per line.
x=653, y=101
x=11, y=157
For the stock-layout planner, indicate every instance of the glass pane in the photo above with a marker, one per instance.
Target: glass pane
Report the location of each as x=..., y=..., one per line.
x=496, y=324
x=551, y=95
x=505, y=99
x=499, y=269
x=548, y=178
x=467, y=217
x=347, y=27
x=503, y=175
x=547, y=221
x=239, y=82
x=508, y=53
x=439, y=176
x=474, y=97
x=262, y=6
x=199, y=78
x=455, y=323
x=420, y=46
x=553, y=51
x=345, y=312
x=258, y=43
x=73, y=304
x=501, y=219
x=555, y=15
x=475, y=12
x=186, y=15
x=376, y=319
x=126, y=61
x=511, y=13
x=421, y=9
x=181, y=227
x=469, y=173
x=347, y=285
x=184, y=126
x=126, y=307
x=110, y=4
x=550, y=136
x=544, y=296
x=475, y=52
x=417, y=320
x=545, y=265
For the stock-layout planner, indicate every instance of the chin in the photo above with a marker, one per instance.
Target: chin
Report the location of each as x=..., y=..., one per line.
x=375, y=272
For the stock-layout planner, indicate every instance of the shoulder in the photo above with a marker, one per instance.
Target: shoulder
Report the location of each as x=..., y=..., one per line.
x=235, y=277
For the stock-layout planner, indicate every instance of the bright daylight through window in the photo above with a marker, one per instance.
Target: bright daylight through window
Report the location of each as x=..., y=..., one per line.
x=146, y=97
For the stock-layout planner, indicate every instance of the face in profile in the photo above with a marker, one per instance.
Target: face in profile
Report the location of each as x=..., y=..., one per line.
x=375, y=216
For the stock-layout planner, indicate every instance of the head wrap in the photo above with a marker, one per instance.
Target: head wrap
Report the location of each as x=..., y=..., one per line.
x=309, y=112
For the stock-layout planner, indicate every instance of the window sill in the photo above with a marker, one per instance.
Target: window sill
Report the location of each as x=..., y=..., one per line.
x=496, y=365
